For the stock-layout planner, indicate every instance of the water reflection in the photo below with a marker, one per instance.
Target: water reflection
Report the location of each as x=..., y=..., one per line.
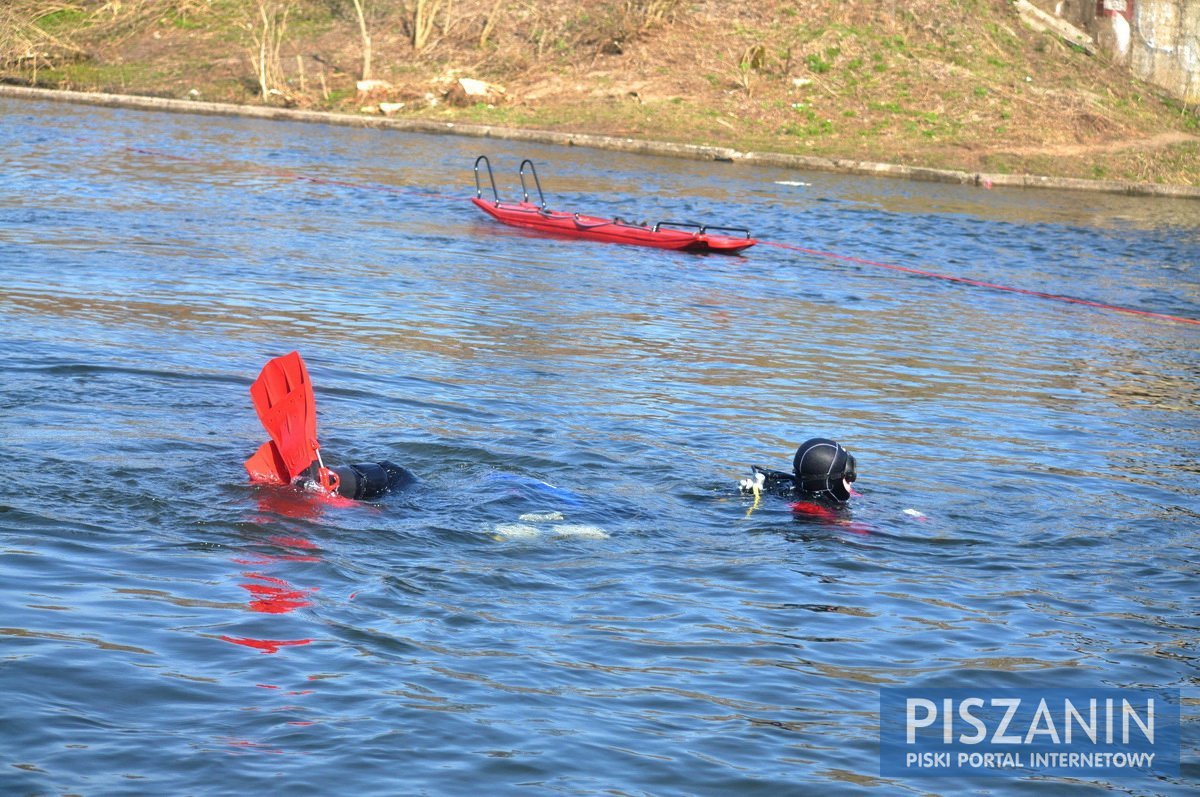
x=268, y=585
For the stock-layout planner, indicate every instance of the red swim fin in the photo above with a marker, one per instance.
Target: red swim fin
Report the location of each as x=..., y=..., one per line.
x=267, y=467
x=283, y=398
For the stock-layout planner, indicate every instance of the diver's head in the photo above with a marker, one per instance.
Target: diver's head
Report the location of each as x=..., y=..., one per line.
x=824, y=469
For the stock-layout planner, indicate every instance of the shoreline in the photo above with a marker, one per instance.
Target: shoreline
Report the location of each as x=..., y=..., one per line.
x=610, y=143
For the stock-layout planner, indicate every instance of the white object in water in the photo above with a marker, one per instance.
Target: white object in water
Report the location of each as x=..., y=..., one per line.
x=516, y=531
x=526, y=530
x=540, y=517
x=580, y=531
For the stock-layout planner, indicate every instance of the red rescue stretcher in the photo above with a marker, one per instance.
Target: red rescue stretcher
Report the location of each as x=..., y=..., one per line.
x=683, y=236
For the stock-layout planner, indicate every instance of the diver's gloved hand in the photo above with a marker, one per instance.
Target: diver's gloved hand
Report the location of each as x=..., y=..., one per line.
x=754, y=484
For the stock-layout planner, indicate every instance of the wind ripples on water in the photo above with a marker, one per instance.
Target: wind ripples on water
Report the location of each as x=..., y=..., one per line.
x=575, y=598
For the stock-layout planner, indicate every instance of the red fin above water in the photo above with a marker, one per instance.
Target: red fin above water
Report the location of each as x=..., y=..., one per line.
x=283, y=398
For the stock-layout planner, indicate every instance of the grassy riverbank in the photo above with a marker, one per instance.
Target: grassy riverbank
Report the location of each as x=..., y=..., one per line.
x=953, y=84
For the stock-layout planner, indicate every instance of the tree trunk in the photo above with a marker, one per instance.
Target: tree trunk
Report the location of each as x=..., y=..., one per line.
x=366, y=39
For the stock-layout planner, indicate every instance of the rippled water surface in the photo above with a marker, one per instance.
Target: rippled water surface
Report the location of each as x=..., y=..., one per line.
x=168, y=628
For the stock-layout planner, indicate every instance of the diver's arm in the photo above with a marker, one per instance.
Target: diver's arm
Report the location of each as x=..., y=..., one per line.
x=769, y=480
x=776, y=479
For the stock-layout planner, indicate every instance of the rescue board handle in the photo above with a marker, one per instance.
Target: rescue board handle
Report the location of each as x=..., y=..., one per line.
x=537, y=183
x=491, y=177
x=701, y=229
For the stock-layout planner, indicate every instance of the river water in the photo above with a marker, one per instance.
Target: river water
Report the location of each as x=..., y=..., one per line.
x=1028, y=516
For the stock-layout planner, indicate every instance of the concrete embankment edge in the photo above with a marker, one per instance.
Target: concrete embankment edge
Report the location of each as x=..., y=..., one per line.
x=613, y=143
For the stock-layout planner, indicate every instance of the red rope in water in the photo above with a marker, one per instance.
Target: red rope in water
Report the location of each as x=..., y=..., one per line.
x=981, y=284
x=288, y=174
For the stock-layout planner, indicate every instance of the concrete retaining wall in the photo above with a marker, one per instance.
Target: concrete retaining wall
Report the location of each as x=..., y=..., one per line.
x=1159, y=40
x=1165, y=49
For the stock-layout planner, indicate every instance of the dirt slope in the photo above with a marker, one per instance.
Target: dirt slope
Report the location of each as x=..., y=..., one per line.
x=958, y=84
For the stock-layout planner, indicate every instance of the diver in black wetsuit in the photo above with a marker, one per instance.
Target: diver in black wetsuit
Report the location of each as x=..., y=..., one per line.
x=368, y=480
x=283, y=398
x=822, y=470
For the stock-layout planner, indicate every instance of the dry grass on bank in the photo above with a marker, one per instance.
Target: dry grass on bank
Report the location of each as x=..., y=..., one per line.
x=944, y=83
